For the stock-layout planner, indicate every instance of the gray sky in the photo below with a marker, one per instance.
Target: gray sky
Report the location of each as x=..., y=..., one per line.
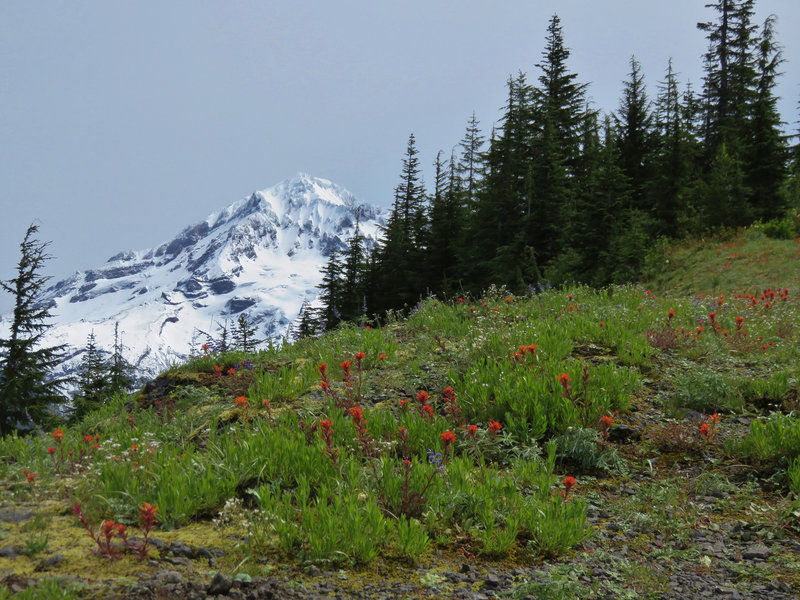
x=123, y=122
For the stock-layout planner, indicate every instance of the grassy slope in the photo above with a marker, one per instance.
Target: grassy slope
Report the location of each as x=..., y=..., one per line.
x=189, y=448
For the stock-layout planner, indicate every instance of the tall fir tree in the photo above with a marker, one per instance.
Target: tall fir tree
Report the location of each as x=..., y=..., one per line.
x=445, y=228
x=767, y=156
x=121, y=373
x=400, y=276
x=29, y=392
x=93, y=381
x=676, y=151
x=352, y=291
x=556, y=154
x=470, y=163
x=331, y=292
x=244, y=336
x=634, y=127
x=498, y=231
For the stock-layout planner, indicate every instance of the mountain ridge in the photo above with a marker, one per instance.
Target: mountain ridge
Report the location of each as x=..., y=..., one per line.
x=260, y=255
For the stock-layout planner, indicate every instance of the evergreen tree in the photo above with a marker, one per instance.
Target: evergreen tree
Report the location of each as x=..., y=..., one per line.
x=400, y=275
x=120, y=371
x=723, y=193
x=331, y=292
x=28, y=390
x=556, y=152
x=673, y=161
x=244, y=336
x=93, y=381
x=634, y=126
x=445, y=228
x=222, y=343
x=351, y=293
x=470, y=164
x=562, y=98
x=767, y=157
x=306, y=326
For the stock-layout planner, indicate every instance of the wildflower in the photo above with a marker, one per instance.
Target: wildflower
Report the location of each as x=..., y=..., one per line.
x=346, y=367
x=403, y=403
x=422, y=397
x=531, y=349
x=205, y=347
x=472, y=430
x=448, y=437
x=715, y=418
x=51, y=450
x=359, y=356
x=135, y=448
x=326, y=424
x=357, y=413
x=601, y=323
x=58, y=435
x=494, y=427
x=382, y=357
x=569, y=483
x=563, y=379
x=428, y=410
x=31, y=477
x=460, y=301
x=241, y=401
x=435, y=458
x=670, y=314
x=88, y=439
x=147, y=514
x=322, y=368
x=232, y=371
x=705, y=430
x=509, y=300
x=606, y=421
x=739, y=323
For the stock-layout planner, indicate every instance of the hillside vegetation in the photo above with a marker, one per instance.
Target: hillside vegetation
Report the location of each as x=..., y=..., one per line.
x=573, y=442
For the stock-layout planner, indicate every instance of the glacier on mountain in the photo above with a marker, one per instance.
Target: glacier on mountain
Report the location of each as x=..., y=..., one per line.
x=261, y=256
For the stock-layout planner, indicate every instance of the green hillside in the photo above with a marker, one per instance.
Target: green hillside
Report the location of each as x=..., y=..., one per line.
x=631, y=441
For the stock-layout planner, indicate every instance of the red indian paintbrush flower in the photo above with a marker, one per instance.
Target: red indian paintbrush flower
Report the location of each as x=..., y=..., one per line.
x=569, y=483
x=448, y=437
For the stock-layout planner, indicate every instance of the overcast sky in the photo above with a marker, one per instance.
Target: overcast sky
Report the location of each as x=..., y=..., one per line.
x=123, y=122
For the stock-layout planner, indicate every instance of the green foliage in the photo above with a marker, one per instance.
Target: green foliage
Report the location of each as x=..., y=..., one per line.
x=46, y=589
x=584, y=449
x=28, y=389
x=776, y=437
x=705, y=390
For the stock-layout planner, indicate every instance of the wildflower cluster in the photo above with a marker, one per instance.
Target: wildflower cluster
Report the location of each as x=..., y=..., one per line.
x=110, y=531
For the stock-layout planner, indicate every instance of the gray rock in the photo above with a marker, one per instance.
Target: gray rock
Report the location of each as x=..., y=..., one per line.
x=51, y=561
x=15, y=516
x=8, y=552
x=756, y=552
x=167, y=577
x=219, y=585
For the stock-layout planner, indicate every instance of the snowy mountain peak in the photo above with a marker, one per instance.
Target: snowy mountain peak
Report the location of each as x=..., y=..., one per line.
x=260, y=256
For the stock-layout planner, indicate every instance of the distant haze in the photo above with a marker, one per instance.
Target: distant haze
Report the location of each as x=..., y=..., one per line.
x=122, y=123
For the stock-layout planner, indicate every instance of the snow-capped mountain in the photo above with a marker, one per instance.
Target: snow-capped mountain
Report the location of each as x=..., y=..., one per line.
x=260, y=256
